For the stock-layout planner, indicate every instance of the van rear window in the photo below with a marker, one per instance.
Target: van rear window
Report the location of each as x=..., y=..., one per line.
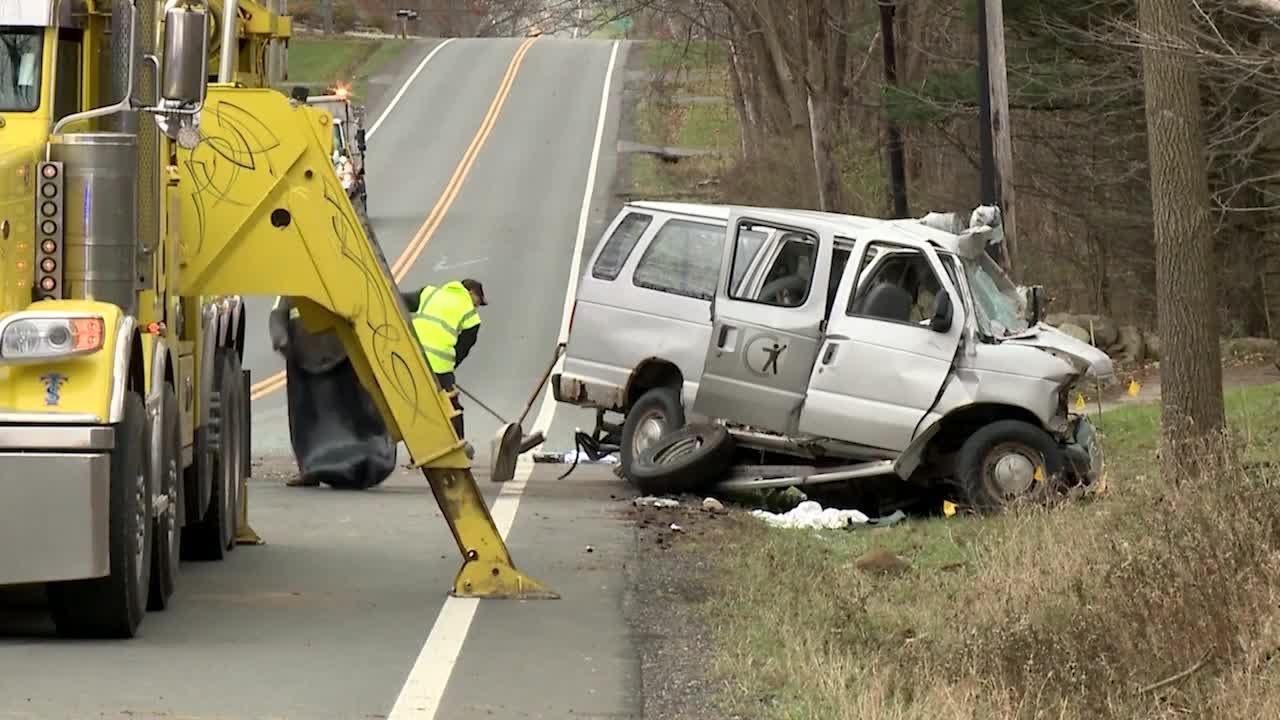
x=619, y=246
x=684, y=259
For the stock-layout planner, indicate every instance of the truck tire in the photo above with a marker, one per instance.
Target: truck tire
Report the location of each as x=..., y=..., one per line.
x=997, y=464
x=685, y=461
x=655, y=414
x=113, y=606
x=166, y=450
x=214, y=535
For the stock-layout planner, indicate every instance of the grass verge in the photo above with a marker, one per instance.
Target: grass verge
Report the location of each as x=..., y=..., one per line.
x=320, y=61
x=684, y=101
x=1152, y=602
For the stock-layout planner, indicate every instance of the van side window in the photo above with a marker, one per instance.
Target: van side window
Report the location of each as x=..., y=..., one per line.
x=684, y=259
x=619, y=246
x=787, y=282
x=900, y=286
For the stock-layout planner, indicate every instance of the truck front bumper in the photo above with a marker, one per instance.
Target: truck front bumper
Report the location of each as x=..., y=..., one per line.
x=55, y=502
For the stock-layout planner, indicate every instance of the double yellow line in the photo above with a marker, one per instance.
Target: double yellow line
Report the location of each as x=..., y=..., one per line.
x=401, y=266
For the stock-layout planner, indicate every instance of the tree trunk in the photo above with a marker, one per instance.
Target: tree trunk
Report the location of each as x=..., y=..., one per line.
x=1191, y=370
x=820, y=83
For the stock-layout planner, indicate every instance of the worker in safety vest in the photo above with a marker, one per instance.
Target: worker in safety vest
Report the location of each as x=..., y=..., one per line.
x=446, y=322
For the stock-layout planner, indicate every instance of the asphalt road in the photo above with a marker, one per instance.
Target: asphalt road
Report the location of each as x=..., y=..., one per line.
x=343, y=613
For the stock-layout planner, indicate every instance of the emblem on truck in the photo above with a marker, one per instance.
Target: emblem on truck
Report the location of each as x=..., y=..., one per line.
x=53, y=387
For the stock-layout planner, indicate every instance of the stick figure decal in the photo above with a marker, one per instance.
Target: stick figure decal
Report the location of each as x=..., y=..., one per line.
x=762, y=355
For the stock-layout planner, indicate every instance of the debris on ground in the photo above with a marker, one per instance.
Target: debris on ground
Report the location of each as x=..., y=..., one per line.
x=573, y=457
x=713, y=506
x=881, y=561
x=657, y=502
x=676, y=528
x=811, y=515
x=590, y=549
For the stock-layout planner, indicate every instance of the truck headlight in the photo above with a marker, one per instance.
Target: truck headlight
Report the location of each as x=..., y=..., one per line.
x=40, y=338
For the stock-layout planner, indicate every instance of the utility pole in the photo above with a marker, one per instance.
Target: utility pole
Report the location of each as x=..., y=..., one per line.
x=326, y=10
x=897, y=155
x=993, y=116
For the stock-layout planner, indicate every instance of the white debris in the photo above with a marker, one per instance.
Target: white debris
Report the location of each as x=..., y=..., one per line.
x=810, y=514
x=651, y=501
x=676, y=528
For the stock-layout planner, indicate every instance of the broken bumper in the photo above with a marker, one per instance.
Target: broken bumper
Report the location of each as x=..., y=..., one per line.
x=1083, y=450
x=55, y=502
x=586, y=393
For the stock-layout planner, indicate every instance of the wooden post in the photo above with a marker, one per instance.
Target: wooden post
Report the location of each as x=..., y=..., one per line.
x=998, y=80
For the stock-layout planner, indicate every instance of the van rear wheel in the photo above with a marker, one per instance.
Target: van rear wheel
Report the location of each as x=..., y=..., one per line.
x=656, y=414
x=1006, y=462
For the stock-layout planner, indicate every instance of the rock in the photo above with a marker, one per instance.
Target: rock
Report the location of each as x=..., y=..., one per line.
x=713, y=506
x=1132, y=346
x=1249, y=346
x=1075, y=331
x=881, y=561
x=1155, y=350
x=1106, y=332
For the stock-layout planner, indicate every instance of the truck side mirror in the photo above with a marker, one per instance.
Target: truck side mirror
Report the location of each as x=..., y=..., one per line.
x=360, y=141
x=943, y=313
x=185, y=77
x=1035, y=304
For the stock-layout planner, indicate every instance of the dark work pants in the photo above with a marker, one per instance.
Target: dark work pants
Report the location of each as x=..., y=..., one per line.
x=447, y=384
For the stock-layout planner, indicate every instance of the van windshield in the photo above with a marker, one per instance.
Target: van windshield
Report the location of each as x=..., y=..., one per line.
x=997, y=304
x=21, y=50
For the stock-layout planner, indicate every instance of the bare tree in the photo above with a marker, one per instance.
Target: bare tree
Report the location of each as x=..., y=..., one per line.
x=1191, y=372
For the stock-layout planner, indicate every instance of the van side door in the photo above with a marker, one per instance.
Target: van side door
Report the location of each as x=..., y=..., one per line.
x=884, y=357
x=765, y=331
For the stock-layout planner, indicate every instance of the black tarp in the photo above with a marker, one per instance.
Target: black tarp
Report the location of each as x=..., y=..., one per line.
x=338, y=436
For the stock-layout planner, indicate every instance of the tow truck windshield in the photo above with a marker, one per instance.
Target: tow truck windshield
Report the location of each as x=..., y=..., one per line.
x=21, y=50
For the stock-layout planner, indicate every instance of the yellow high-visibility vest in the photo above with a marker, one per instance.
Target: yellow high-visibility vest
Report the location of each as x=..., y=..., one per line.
x=443, y=313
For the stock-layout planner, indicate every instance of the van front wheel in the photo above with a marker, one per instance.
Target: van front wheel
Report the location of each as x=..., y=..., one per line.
x=654, y=415
x=1008, y=461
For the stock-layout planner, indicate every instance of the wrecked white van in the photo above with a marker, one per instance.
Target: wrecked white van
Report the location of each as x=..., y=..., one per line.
x=853, y=347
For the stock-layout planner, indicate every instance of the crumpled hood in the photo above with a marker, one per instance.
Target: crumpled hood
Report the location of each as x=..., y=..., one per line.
x=1087, y=358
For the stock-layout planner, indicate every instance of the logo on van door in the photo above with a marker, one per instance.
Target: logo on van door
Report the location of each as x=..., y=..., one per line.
x=762, y=355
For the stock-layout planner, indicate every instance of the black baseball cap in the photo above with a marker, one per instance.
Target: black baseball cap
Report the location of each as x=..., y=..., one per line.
x=474, y=286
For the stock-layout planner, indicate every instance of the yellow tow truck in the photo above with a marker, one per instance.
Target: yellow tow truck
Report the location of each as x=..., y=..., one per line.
x=143, y=193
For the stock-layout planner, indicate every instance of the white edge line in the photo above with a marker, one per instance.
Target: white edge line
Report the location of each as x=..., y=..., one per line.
x=546, y=413
x=425, y=685
x=405, y=87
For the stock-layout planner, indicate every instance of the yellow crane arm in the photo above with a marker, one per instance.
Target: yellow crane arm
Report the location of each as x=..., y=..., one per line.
x=263, y=213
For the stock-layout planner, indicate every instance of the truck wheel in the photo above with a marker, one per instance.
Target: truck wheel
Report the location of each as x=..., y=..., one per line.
x=655, y=414
x=166, y=452
x=998, y=464
x=685, y=461
x=113, y=606
x=212, y=537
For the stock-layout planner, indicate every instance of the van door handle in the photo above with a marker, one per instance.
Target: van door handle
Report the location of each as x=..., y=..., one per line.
x=724, y=336
x=829, y=354
x=835, y=336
